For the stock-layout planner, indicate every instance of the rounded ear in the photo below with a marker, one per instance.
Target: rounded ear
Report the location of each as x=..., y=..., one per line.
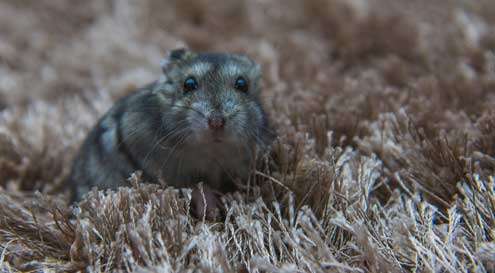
x=176, y=55
x=255, y=68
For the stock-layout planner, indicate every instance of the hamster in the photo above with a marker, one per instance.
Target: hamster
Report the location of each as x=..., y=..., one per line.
x=202, y=121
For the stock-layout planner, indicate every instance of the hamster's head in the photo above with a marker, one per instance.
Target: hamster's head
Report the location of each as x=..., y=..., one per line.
x=213, y=98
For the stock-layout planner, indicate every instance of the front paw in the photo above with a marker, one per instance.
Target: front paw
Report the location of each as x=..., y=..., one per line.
x=206, y=203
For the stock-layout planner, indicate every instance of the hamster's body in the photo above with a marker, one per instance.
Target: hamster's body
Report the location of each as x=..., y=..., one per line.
x=202, y=122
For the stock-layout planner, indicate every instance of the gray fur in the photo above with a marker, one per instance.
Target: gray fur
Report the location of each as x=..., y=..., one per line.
x=164, y=132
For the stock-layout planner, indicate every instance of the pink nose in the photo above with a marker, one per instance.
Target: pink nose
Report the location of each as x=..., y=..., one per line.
x=216, y=121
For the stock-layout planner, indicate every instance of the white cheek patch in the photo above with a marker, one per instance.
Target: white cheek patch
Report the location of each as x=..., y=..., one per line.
x=202, y=106
x=198, y=122
x=230, y=103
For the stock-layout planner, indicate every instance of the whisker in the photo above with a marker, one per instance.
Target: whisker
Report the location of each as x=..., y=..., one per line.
x=164, y=138
x=172, y=153
x=173, y=150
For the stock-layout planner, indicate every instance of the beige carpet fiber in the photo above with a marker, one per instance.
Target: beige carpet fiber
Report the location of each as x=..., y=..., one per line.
x=384, y=160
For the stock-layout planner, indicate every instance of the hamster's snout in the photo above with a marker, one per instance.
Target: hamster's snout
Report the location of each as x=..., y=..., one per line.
x=216, y=125
x=216, y=121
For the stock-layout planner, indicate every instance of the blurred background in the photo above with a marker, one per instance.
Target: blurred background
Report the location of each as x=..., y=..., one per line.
x=55, y=48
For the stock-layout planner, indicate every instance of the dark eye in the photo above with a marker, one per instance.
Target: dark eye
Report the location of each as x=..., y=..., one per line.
x=190, y=84
x=241, y=84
